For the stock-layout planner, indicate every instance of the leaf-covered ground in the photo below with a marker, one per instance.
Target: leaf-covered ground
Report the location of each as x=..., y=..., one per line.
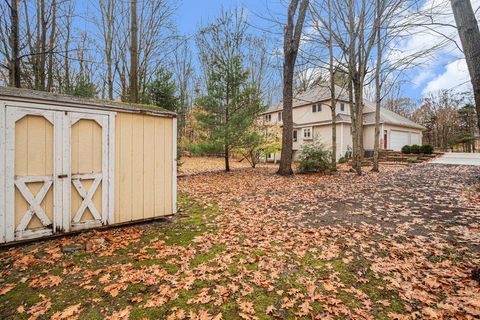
x=249, y=244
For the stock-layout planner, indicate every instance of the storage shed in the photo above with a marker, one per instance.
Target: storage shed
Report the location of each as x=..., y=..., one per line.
x=68, y=163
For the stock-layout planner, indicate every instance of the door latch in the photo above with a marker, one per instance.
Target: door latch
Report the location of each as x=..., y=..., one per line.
x=60, y=176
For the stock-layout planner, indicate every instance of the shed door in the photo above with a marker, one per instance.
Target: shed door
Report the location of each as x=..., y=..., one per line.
x=58, y=171
x=33, y=161
x=88, y=157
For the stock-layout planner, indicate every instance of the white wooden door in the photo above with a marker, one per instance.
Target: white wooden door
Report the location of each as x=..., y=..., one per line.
x=49, y=185
x=33, y=162
x=87, y=162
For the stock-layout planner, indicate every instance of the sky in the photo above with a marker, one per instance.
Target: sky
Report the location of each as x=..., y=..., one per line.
x=445, y=69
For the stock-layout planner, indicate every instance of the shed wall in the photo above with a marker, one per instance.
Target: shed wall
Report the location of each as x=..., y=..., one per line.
x=143, y=167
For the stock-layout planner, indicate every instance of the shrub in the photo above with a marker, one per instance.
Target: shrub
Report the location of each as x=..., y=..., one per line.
x=314, y=158
x=426, y=149
x=415, y=148
x=406, y=149
x=342, y=160
x=412, y=160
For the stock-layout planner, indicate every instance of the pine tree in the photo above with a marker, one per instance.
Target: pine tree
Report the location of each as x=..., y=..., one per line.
x=231, y=105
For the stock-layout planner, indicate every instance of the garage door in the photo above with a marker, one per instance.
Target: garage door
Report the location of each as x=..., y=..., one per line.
x=398, y=139
x=415, y=139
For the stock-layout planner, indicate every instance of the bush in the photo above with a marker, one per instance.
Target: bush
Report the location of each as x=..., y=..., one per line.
x=202, y=148
x=314, y=158
x=412, y=160
x=406, y=149
x=415, y=148
x=426, y=149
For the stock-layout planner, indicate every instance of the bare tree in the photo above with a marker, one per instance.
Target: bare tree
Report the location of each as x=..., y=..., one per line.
x=51, y=44
x=133, y=77
x=183, y=71
x=14, y=63
x=468, y=30
x=291, y=43
x=107, y=28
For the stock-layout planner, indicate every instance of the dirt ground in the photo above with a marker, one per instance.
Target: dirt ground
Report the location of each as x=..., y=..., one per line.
x=249, y=244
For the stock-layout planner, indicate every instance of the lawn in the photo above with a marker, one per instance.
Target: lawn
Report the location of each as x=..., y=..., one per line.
x=249, y=244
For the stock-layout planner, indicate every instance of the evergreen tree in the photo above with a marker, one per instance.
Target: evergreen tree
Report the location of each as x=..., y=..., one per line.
x=231, y=105
x=162, y=91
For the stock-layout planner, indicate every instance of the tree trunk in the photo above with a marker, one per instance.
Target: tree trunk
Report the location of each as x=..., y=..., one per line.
x=43, y=46
x=378, y=96
x=291, y=42
x=67, y=60
x=358, y=124
x=14, y=68
x=285, y=167
x=51, y=46
x=133, y=53
x=468, y=30
x=227, y=158
x=333, y=106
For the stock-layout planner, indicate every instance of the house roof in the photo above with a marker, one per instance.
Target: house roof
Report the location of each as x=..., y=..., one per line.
x=321, y=92
x=387, y=116
x=28, y=95
x=317, y=93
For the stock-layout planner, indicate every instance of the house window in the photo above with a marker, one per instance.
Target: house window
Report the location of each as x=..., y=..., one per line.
x=280, y=116
x=295, y=138
x=342, y=107
x=268, y=117
x=316, y=108
x=307, y=133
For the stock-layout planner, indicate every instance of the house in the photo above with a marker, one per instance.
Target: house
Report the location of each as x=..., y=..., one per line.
x=312, y=120
x=70, y=163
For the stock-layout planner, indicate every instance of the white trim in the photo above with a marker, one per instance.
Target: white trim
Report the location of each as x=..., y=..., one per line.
x=105, y=162
x=2, y=173
x=10, y=176
x=174, y=167
x=111, y=168
x=342, y=152
x=58, y=170
x=86, y=225
x=31, y=234
x=66, y=170
x=52, y=107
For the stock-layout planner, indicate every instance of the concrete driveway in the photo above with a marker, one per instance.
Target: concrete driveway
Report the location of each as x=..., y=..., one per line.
x=459, y=158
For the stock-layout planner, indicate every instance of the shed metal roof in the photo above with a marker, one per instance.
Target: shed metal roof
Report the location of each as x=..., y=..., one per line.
x=27, y=95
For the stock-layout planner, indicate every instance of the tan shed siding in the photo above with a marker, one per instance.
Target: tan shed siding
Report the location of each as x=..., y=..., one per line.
x=143, y=167
x=33, y=157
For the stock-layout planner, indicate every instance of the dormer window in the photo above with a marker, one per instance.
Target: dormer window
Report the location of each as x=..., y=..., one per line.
x=268, y=118
x=316, y=108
